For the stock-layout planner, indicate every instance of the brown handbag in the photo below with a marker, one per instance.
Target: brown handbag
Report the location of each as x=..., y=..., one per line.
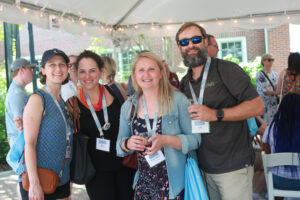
x=131, y=160
x=47, y=177
x=48, y=180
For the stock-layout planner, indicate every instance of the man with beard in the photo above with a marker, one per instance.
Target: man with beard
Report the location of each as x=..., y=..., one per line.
x=226, y=99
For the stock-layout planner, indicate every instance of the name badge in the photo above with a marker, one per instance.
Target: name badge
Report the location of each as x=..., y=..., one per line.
x=200, y=126
x=155, y=159
x=103, y=144
x=68, y=151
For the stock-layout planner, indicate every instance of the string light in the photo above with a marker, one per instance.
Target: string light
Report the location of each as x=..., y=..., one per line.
x=270, y=18
x=235, y=21
x=1, y=7
x=25, y=10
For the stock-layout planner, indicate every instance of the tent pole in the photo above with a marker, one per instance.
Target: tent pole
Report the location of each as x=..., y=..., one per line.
x=32, y=54
x=128, y=13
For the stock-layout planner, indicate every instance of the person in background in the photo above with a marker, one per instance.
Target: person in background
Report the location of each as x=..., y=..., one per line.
x=226, y=99
x=109, y=72
x=69, y=89
x=212, y=46
x=161, y=131
x=289, y=79
x=266, y=82
x=283, y=135
x=22, y=75
x=173, y=78
x=112, y=180
x=48, y=129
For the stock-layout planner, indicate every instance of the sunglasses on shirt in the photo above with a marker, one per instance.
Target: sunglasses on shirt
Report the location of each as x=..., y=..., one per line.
x=186, y=41
x=269, y=59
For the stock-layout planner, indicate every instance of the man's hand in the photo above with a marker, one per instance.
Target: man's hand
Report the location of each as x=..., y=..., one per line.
x=202, y=112
x=18, y=123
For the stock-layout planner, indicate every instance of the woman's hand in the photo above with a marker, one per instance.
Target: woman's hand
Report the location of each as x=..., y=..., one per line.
x=35, y=192
x=136, y=143
x=18, y=123
x=158, y=142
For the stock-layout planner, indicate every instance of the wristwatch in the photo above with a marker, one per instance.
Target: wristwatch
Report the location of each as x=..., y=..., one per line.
x=220, y=115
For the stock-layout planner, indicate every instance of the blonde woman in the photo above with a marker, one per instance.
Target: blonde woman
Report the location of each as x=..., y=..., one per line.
x=159, y=130
x=109, y=72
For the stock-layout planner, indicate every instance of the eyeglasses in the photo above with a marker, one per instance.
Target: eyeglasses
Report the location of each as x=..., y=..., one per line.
x=269, y=59
x=71, y=65
x=186, y=41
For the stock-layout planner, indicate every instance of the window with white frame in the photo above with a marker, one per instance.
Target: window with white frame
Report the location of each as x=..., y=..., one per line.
x=236, y=46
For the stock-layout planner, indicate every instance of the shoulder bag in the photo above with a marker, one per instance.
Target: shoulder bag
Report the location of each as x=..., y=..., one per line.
x=274, y=89
x=194, y=187
x=81, y=169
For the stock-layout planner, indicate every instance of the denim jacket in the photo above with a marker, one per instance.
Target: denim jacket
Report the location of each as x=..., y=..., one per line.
x=176, y=122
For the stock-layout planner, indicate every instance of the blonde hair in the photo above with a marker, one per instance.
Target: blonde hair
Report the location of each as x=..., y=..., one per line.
x=109, y=69
x=165, y=95
x=265, y=56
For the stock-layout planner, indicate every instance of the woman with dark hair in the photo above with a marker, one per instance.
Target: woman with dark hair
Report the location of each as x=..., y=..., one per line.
x=289, y=79
x=283, y=135
x=47, y=129
x=266, y=82
x=99, y=120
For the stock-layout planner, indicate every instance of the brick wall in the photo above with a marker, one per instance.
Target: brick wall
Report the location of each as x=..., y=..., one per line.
x=279, y=46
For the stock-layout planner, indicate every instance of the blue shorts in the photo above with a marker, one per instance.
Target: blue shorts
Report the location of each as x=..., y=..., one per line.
x=285, y=183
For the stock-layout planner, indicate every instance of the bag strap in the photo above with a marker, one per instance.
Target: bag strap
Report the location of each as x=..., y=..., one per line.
x=282, y=81
x=61, y=170
x=264, y=73
x=74, y=111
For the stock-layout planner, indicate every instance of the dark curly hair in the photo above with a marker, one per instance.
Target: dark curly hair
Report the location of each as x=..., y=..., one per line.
x=294, y=62
x=92, y=55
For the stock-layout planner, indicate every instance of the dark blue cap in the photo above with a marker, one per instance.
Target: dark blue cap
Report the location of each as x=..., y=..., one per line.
x=53, y=52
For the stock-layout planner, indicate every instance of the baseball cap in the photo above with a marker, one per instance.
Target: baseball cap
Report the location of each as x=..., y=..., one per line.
x=19, y=63
x=53, y=52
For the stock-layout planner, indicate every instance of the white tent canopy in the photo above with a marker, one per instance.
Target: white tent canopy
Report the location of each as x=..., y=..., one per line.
x=155, y=17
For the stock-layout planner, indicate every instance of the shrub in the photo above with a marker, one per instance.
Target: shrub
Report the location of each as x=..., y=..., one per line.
x=4, y=146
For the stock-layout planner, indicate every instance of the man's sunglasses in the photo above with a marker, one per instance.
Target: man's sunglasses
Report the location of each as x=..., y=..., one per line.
x=195, y=40
x=269, y=59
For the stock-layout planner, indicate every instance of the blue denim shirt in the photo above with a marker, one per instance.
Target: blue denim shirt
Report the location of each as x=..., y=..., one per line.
x=176, y=122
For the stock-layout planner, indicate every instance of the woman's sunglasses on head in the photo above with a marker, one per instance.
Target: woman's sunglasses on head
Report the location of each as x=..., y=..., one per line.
x=195, y=40
x=269, y=59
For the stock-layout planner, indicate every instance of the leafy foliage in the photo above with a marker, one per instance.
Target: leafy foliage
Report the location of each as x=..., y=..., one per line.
x=4, y=147
x=250, y=68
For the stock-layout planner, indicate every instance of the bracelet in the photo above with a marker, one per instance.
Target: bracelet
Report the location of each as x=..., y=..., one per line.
x=125, y=144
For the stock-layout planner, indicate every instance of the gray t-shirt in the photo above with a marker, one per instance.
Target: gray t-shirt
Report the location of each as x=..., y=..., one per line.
x=228, y=146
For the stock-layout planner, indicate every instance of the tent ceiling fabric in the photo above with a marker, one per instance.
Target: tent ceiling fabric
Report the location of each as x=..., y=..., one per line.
x=214, y=15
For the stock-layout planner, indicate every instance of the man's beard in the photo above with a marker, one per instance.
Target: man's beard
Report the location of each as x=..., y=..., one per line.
x=197, y=60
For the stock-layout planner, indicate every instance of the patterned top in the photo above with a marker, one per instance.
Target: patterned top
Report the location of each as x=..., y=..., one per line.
x=270, y=101
x=291, y=83
x=280, y=170
x=153, y=183
x=51, y=142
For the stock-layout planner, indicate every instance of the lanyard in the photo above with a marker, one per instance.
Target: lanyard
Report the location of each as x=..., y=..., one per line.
x=150, y=132
x=107, y=124
x=68, y=131
x=203, y=82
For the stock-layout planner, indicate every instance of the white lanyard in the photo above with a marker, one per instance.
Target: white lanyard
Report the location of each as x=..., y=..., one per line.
x=107, y=124
x=150, y=131
x=203, y=82
x=68, y=131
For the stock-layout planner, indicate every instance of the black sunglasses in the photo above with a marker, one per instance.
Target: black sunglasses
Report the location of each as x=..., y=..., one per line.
x=186, y=41
x=270, y=59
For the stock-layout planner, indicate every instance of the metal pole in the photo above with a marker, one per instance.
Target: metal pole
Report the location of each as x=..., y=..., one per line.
x=32, y=54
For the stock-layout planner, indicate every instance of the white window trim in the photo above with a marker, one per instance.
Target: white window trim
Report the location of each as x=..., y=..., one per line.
x=235, y=39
